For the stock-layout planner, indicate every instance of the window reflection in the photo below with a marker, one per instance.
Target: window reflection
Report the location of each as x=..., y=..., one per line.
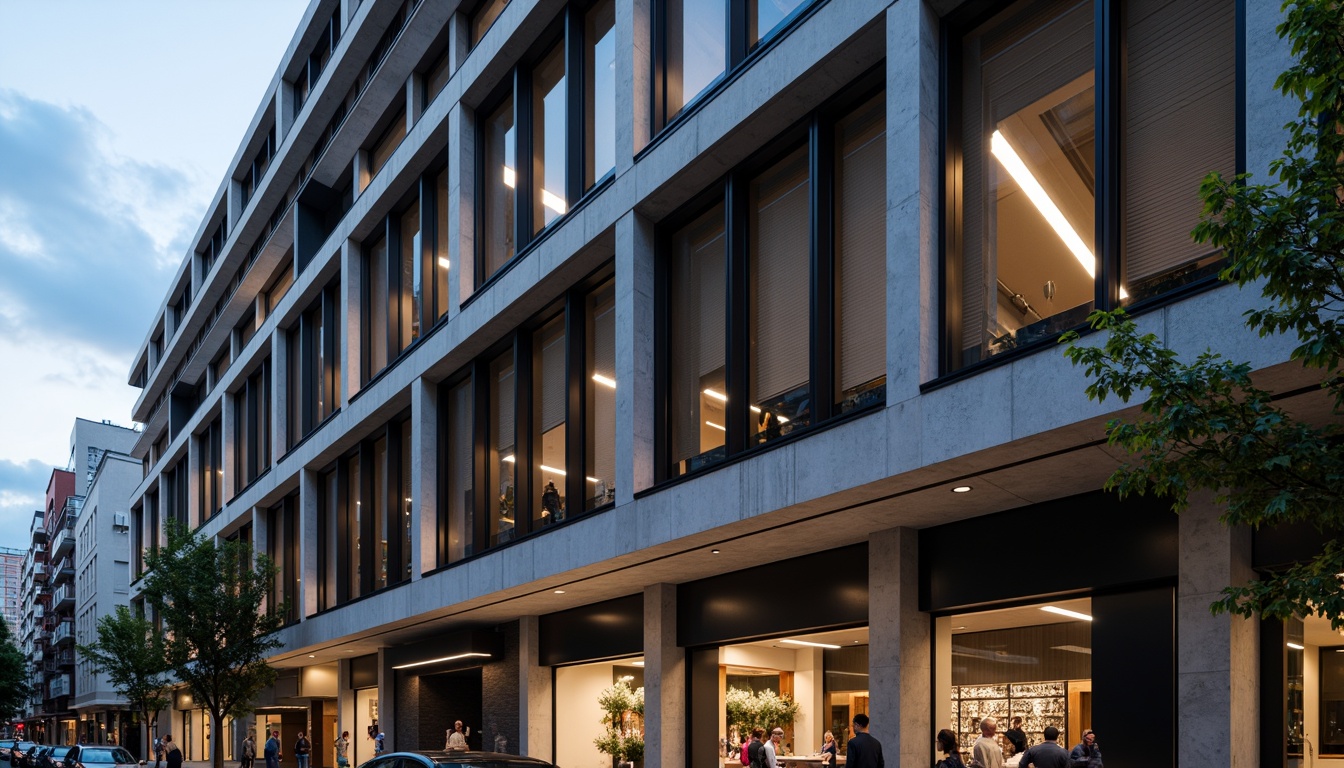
x=600, y=91
x=697, y=31
x=500, y=180
x=548, y=139
x=458, y=504
x=764, y=15
x=501, y=457
x=697, y=337
x=549, y=396
x=600, y=441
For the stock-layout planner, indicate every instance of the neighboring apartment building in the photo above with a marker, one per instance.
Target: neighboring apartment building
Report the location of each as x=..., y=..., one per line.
x=11, y=589
x=56, y=593
x=708, y=345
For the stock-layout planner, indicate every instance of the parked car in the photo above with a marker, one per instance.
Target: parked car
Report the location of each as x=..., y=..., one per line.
x=53, y=757
x=19, y=751
x=89, y=756
x=442, y=759
x=33, y=757
x=6, y=746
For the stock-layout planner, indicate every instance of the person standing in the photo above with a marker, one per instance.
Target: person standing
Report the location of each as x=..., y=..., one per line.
x=756, y=750
x=158, y=751
x=171, y=754
x=272, y=750
x=863, y=751
x=772, y=750
x=986, y=750
x=302, y=748
x=947, y=744
x=1016, y=736
x=1086, y=754
x=1047, y=754
x=457, y=738
x=829, y=750
x=379, y=743
x=249, y=751
x=342, y=745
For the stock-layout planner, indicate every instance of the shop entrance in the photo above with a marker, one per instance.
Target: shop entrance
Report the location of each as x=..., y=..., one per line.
x=451, y=696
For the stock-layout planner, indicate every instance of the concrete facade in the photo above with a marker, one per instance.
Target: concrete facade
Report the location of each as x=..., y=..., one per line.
x=1019, y=433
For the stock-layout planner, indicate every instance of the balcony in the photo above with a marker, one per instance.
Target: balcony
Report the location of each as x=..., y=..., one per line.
x=39, y=611
x=38, y=531
x=39, y=572
x=64, y=544
x=64, y=598
x=64, y=633
x=65, y=658
x=64, y=570
x=61, y=686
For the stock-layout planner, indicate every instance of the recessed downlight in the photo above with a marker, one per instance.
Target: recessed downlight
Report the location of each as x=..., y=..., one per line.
x=559, y=591
x=1296, y=647
x=713, y=551
x=1065, y=612
x=962, y=489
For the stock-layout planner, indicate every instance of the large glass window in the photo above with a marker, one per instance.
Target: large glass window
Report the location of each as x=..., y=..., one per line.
x=783, y=324
x=484, y=17
x=502, y=455
x=499, y=184
x=314, y=366
x=282, y=547
x=599, y=36
x=396, y=266
x=549, y=408
x=457, y=528
x=579, y=715
x=210, y=463
x=1025, y=249
x=441, y=263
x=328, y=523
x=386, y=144
x=600, y=383
x=252, y=426
x=696, y=52
x=378, y=295
x=548, y=140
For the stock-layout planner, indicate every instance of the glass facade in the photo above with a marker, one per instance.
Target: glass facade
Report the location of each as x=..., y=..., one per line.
x=600, y=386
x=548, y=140
x=599, y=35
x=549, y=411
x=502, y=456
x=696, y=52
x=499, y=184
x=252, y=426
x=697, y=321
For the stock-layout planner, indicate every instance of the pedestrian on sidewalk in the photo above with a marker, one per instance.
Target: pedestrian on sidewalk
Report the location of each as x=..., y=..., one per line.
x=172, y=755
x=249, y=751
x=863, y=751
x=302, y=748
x=272, y=751
x=342, y=748
x=158, y=751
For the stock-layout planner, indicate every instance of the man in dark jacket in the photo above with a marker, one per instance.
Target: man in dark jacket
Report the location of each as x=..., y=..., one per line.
x=1047, y=754
x=1086, y=754
x=863, y=751
x=1016, y=736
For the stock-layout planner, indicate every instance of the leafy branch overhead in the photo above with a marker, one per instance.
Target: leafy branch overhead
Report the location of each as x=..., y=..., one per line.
x=1205, y=425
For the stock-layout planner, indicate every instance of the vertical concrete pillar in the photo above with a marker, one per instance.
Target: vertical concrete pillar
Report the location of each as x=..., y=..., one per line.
x=1217, y=657
x=634, y=95
x=424, y=465
x=280, y=374
x=415, y=101
x=534, y=693
x=308, y=543
x=233, y=203
x=352, y=291
x=912, y=186
x=664, y=680
x=634, y=356
x=387, y=700
x=461, y=206
x=899, y=649
x=284, y=110
x=459, y=40
x=261, y=532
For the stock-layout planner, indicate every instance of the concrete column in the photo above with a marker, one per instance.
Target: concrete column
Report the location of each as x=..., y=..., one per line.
x=461, y=202
x=308, y=543
x=459, y=40
x=415, y=100
x=280, y=374
x=1217, y=657
x=899, y=658
x=352, y=291
x=912, y=186
x=261, y=534
x=664, y=680
x=387, y=700
x=233, y=193
x=634, y=94
x=284, y=110
x=424, y=464
x=536, y=717
x=634, y=356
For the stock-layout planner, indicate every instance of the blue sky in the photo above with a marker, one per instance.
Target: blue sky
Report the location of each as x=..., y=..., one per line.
x=118, y=121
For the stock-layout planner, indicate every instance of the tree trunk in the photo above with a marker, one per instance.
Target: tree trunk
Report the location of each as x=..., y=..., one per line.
x=217, y=737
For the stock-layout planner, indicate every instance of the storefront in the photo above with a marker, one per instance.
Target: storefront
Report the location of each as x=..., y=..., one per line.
x=439, y=681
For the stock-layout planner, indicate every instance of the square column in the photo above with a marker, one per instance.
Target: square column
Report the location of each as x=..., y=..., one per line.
x=899, y=643
x=536, y=715
x=308, y=543
x=424, y=488
x=1217, y=657
x=634, y=83
x=461, y=202
x=664, y=680
x=634, y=356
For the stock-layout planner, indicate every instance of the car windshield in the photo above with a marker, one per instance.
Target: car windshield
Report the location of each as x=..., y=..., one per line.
x=486, y=764
x=105, y=756
x=58, y=751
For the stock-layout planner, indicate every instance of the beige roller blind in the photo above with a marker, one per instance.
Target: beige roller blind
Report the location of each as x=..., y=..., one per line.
x=780, y=278
x=860, y=226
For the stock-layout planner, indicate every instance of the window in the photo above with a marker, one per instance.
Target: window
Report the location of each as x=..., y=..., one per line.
x=484, y=17
x=213, y=248
x=280, y=284
x=386, y=144
x=329, y=519
x=282, y=547
x=1030, y=256
x=314, y=365
x=1332, y=701
x=436, y=77
x=255, y=171
x=176, y=494
x=210, y=461
x=699, y=40
x=534, y=425
x=538, y=156
x=775, y=302
x=252, y=426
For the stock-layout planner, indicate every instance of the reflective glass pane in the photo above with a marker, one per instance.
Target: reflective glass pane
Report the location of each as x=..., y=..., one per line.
x=548, y=409
x=697, y=338
x=441, y=263
x=764, y=15
x=458, y=504
x=600, y=381
x=696, y=48
x=501, y=178
x=500, y=456
x=376, y=306
x=548, y=139
x=600, y=91
x=411, y=292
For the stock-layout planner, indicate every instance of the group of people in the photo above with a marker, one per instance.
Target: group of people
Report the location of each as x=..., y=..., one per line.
x=864, y=750
x=986, y=752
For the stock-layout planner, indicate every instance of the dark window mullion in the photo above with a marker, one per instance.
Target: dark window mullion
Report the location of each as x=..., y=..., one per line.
x=368, y=550
x=576, y=82
x=738, y=341
x=576, y=410
x=1109, y=198
x=737, y=34
x=522, y=137
x=526, y=450
x=821, y=166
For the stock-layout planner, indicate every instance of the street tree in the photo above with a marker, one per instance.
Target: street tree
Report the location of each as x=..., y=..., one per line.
x=1204, y=424
x=219, y=624
x=131, y=654
x=13, y=674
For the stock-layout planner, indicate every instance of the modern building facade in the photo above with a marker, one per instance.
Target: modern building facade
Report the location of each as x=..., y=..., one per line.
x=707, y=347
x=11, y=591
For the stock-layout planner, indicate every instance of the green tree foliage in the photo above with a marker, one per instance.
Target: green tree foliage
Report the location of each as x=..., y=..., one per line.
x=13, y=674
x=1205, y=425
x=766, y=710
x=131, y=654
x=216, y=635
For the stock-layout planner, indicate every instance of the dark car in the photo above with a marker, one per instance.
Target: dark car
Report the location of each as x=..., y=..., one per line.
x=53, y=757
x=89, y=756
x=6, y=746
x=444, y=759
x=33, y=757
x=20, y=751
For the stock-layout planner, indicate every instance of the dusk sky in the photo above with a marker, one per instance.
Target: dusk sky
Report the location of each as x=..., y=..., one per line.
x=118, y=121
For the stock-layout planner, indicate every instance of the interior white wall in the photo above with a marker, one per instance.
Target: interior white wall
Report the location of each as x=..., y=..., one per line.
x=578, y=718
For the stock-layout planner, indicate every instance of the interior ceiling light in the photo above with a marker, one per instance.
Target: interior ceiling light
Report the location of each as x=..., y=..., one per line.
x=713, y=551
x=716, y=426
x=604, y=380
x=962, y=489
x=810, y=644
x=1073, y=649
x=1065, y=612
x=1296, y=647
x=508, y=458
x=553, y=201
x=510, y=178
x=468, y=655
x=311, y=656
x=559, y=591
x=559, y=472
x=594, y=480
x=1041, y=199
x=636, y=663
x=716, y=395
x=443, y=262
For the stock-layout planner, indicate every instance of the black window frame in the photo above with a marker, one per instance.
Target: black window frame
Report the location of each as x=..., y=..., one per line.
x=252, y=405
x=573, y=306
x=567, y=30
x=1110, y=73
x=816, y=132
x=282, y=547
x=305, y=380
x=210, y=462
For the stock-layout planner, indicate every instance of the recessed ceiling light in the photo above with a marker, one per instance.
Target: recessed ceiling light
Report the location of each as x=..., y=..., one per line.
x=1296, y=647
x=636, y=663
x=311, y=656
x=809, y=643
x=962, y=489
x=963, y=626
x=1072, y=648
x=1066, y=612
x=559, y=591
x=713, y=551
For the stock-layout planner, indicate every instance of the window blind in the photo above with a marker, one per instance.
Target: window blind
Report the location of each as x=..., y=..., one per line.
x=780, y=278
x=860, y=210
x=697, y=332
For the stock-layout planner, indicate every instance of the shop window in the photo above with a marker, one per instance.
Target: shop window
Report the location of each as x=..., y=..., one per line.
x=210, y=462
x=538, y=155
x=1032, y=662
x=1332, y=701
x=252, y=426
x=1029, y=255
x=579, y=717
x=522, y=423
x=774, y=320
x=700, y=40
x=314, y=378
